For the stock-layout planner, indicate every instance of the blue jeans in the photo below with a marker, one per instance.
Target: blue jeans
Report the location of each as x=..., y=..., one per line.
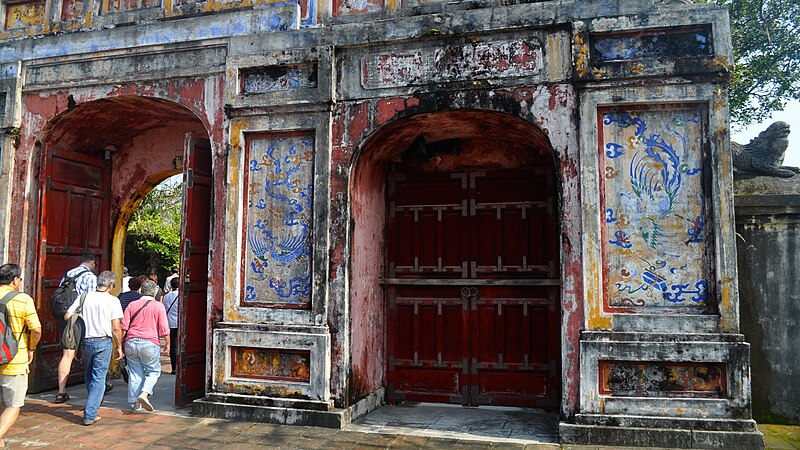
x=144, y=367
x=96, y=357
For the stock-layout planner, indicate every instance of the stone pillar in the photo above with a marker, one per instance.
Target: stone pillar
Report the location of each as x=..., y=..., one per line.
x=768, y=228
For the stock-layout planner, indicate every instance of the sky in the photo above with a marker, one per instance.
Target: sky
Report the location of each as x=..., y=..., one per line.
x=790, y=115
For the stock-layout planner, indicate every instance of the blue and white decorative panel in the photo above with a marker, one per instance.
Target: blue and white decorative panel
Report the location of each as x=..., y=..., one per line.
x=278, y=202
x=656, y=234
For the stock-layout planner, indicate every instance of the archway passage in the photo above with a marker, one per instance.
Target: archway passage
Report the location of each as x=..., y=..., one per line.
x=470, y=265
x=99, y=160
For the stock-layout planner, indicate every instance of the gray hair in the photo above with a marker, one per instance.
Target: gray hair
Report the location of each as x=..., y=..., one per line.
x=106, y=278
x=149, y=288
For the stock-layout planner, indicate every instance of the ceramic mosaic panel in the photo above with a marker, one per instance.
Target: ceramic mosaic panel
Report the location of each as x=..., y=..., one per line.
x=350, y=7
x=72, y=10
x=647, y=379
x=24, y=14
x=270, y=364
x=278, y=205
x=278, y=78
x=651, y=45
x=655, y=234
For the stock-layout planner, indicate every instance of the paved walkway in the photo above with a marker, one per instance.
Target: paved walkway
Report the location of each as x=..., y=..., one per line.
x=43, y=424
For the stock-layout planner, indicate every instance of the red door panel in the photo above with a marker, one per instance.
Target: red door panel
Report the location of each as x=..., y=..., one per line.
x=468, y=321
x=427, y=337
x=193, y=322
x=74, y=220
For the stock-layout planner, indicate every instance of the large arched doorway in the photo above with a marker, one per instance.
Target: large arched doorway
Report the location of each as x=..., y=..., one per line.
x=455, y=255
x=100, y=159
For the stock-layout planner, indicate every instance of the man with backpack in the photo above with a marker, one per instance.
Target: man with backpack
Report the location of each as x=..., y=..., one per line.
x=76, y=281
x=101, y=314
x=18, y=313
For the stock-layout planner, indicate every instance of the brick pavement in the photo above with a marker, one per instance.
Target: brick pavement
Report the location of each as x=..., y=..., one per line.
x=47, y=425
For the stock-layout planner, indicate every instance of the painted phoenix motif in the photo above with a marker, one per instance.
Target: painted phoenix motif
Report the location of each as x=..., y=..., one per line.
x=279, y=214
x=654, y=214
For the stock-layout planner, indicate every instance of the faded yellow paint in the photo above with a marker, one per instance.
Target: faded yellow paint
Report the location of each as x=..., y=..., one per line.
x=24, y=14
x=726, y=302
x=168, y=8
x=679, y=411
x=87, y=20
x=237, y=128
x=637, y=68
x=582, y=62
x=600, y=73
x=391, y=5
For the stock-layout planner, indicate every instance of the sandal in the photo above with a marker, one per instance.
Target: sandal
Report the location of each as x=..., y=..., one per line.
x=61, y=397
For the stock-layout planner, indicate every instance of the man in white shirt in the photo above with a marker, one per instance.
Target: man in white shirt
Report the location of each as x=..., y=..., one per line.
x=125, y=277
x=101, y=316
x=171, y=304
x=173, y=275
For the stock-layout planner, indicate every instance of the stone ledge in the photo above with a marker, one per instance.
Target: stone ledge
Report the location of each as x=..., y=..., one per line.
x=336, y=418
x=658, y=437
x=685, y=423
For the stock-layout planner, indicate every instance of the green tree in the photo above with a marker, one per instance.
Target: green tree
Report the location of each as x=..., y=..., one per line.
x=154, y=232
x=766, y=50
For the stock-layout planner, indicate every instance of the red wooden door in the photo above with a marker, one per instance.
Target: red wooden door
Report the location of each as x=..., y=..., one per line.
x=192, y=311
x=473, y=310
x=74, y=219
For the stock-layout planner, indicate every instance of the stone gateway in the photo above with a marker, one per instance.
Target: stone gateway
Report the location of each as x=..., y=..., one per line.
x=476, y=203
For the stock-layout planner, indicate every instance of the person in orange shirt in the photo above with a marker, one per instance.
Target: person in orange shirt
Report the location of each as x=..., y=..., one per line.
x=21, y=316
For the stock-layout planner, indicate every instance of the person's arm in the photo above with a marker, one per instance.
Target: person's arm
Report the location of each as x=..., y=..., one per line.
x=33, y=340
x=116, y=329
x=72, y=308
x=163, y=327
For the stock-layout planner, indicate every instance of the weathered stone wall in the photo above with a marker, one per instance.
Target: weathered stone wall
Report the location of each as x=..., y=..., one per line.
x=329, y=106
x=768, y=224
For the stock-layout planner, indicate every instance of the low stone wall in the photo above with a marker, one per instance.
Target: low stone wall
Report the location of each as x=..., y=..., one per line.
x=768, y=244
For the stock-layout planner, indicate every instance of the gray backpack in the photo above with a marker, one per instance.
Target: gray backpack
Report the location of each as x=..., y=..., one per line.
x=72, y=336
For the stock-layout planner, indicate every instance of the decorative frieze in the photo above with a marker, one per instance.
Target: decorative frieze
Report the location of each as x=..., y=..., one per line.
x=481, y=59
x=261, y=80
x=662, y=379
x=24, y=14
x=270, y=364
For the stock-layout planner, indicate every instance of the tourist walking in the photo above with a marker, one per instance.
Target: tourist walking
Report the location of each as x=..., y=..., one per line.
x=101, y=316
x=171, y=305
x=134, y=293
x=144, y=322
x=85, y=281
x=21, y=316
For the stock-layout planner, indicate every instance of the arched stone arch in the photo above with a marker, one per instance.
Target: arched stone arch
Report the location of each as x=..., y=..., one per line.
x=370, y=135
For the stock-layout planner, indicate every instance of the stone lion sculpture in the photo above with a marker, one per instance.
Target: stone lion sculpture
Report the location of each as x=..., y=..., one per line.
x=763, y=156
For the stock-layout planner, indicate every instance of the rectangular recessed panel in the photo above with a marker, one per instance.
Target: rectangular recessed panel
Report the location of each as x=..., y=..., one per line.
x=25, y=14
x=278, y=204
x=427, y=381
x=655, y=225
x=663, y=379
x=652, y=44
x=261, y=80
x=494, y=382
x=270, y=364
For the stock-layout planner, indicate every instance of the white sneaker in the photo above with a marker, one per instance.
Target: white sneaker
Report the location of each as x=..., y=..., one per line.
x=136, y=407
x=145, y=402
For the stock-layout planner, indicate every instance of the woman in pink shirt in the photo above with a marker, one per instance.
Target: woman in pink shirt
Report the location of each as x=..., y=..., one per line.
x=144, y=321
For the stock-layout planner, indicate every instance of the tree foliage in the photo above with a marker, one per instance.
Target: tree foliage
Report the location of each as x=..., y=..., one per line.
x=766, y=50
x=154, y=232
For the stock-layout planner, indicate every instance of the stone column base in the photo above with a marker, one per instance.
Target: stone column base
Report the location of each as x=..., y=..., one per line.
x=578, y=434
